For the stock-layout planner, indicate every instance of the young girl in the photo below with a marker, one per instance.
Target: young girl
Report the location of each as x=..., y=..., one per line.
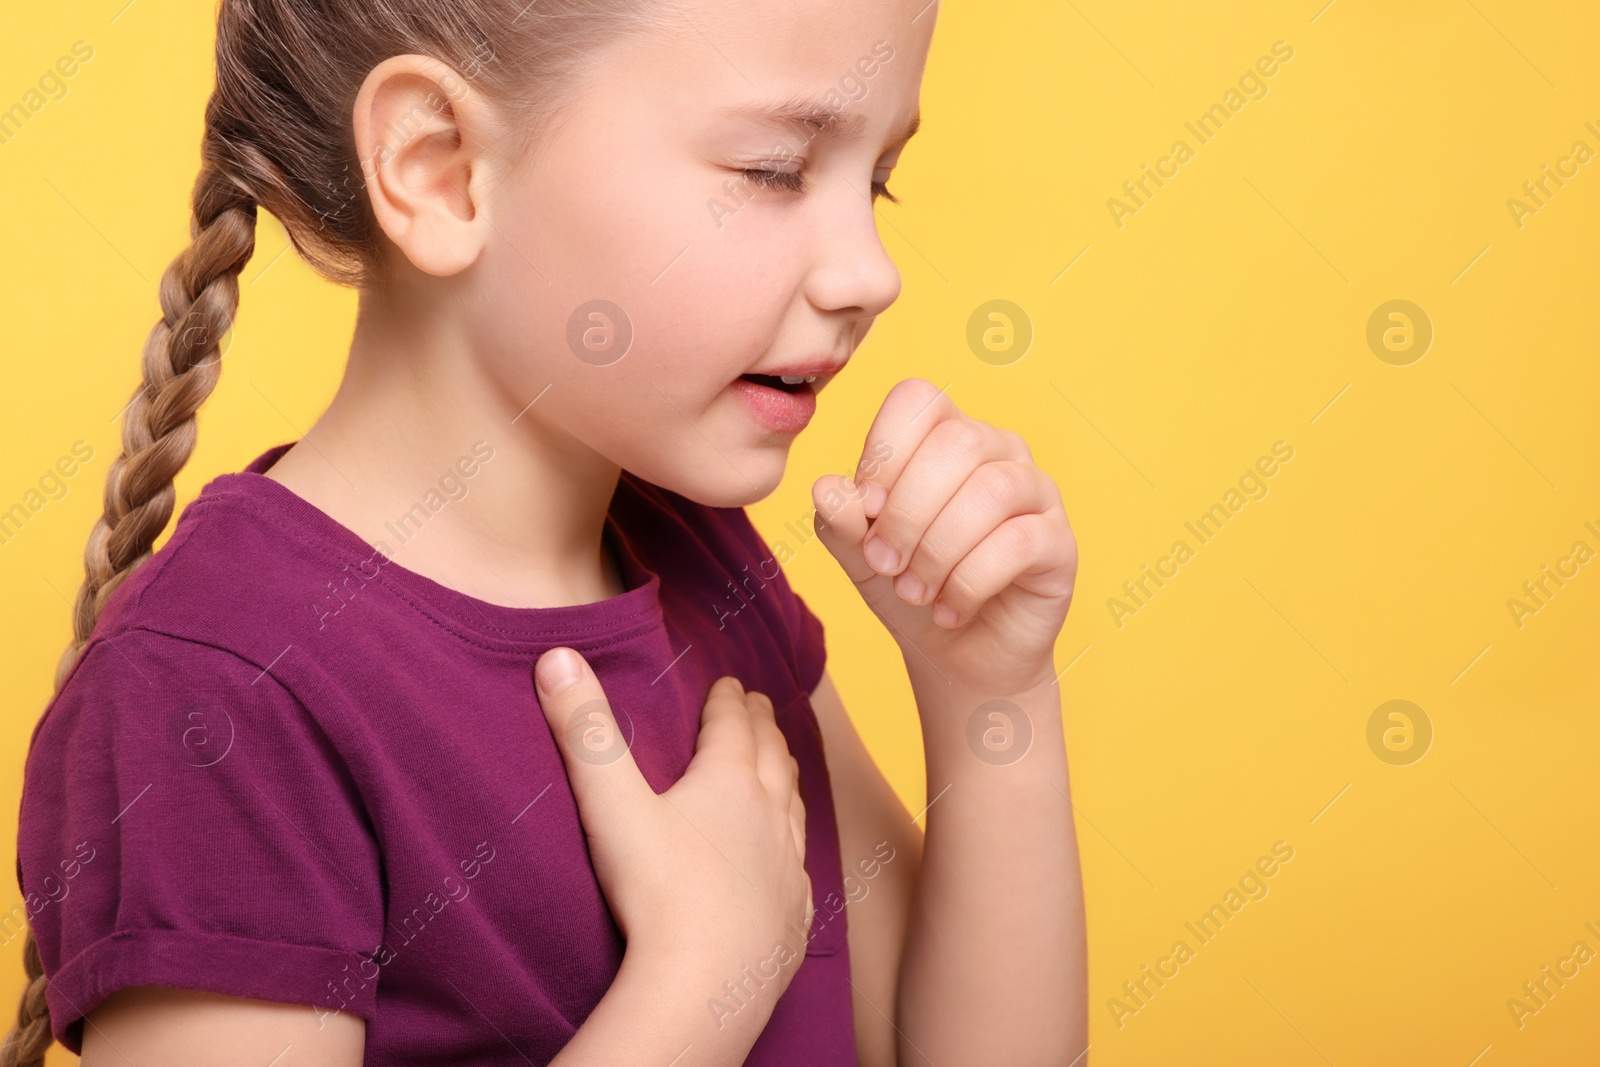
x=608, y=253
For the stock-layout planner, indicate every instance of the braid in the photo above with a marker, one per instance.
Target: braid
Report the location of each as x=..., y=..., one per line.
x=199, y=295
x=25, y=1045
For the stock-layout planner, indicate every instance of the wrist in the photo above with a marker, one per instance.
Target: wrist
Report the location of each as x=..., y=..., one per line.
x=658, y=1007
x=1031, y=684
x=683, y=963
x=727, y=989
x=969, y=729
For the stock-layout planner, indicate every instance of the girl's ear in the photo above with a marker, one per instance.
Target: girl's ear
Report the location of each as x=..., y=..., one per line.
x=420, y=134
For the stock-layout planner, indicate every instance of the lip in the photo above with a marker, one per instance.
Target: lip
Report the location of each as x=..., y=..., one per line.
x=779, y=411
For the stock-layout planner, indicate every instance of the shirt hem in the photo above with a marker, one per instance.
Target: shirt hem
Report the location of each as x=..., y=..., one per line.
x=286, y=973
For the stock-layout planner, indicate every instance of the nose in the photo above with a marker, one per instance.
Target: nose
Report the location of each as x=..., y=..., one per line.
x=851, y=270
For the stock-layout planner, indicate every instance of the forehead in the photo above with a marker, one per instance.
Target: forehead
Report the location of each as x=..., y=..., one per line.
x=847, y=69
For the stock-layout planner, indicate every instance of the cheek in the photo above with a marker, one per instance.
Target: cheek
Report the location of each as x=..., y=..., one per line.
x=697, y=305
x=700, y=303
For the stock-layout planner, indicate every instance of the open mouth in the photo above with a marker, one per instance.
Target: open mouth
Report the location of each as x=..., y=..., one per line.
x=772, y=382
x=785, y=407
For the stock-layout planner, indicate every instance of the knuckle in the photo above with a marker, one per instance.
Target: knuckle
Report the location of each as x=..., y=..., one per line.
x=1016, y=442
x=958, y=589
x=745, y=787
x=961, y=438
x=926, y=562
x=917, y=387
x=1017, y=538
x=892, y=523
x=933, y=555
x=895, y=517
x=776, y=739
x=999, y=483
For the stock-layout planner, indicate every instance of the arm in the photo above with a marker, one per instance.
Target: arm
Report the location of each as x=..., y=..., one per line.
x=995, y=967
x=960, y=545
x=939, y=967
x=653, y=1012
x=160, y=1024
x=868, y=812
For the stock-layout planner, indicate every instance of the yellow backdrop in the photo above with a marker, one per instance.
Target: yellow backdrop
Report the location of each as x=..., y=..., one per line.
x=1309, y=290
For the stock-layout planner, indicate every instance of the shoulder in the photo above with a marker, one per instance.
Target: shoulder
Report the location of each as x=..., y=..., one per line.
x=235, y=577
x=146, y=692
x=195, y=627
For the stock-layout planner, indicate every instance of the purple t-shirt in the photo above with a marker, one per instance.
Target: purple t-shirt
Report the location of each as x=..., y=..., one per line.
x=287, y=768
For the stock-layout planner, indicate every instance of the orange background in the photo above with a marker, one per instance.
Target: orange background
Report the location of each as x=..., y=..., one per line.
x=1168, y=354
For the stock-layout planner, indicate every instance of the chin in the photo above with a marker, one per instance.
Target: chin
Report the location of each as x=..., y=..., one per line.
x=717, y=483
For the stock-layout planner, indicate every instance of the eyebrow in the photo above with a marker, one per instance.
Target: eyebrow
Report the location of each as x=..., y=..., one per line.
x=825, y=121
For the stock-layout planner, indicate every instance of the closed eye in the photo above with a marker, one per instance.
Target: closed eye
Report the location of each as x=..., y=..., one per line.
x=794, y=182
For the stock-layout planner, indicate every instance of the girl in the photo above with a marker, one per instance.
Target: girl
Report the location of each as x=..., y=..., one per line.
x=608, y=252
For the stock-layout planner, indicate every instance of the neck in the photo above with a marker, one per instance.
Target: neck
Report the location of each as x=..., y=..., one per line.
x=388, y=460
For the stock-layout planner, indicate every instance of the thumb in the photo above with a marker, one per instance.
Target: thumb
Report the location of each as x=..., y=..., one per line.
x=594, y=745
x=842, y=523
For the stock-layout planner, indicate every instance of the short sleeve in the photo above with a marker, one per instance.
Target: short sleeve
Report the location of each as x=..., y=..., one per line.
x=185, y=822
x=801, y=625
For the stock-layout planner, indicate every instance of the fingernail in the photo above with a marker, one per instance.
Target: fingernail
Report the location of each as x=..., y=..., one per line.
x=558, y=669
x=881, y=554
x=910, y=587
x=944, y=614
x=850, y=486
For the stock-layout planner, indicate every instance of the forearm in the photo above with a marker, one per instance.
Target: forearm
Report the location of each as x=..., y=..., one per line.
x=657, y=1012
x=994, y=969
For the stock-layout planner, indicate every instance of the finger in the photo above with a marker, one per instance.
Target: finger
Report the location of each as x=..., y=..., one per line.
x=942, y=463
x=841, y=523
x=605, y=779
x=771, y=748
x=725, y=723
x=1022, y=545
x=797, y=823
x=908, y=414
x=991, y=494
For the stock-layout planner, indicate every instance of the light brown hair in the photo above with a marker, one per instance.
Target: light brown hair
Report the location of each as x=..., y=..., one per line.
x=278, y=135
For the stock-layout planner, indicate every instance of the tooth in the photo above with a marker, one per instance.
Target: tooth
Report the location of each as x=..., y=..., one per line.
x=796, y=379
